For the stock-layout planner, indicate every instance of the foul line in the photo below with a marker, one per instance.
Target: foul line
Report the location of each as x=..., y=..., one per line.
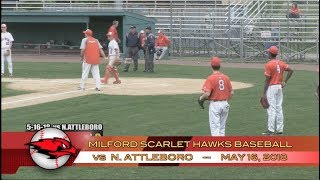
x=43, y=96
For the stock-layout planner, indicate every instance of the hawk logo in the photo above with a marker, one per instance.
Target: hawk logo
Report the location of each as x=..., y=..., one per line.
x=50, y=148
x=54, y=148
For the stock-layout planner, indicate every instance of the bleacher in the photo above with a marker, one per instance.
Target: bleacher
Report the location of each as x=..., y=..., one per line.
x=230, y=28
x=297, y=37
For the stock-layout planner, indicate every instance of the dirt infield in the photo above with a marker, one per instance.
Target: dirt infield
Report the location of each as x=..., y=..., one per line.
x=176, y=61
x=48, y=90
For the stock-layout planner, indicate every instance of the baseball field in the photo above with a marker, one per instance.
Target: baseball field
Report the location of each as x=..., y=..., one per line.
x=158, y=104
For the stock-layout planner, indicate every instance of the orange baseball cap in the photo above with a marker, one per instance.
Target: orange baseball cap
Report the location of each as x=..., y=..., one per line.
x=273, y=50
x=215, y=61
x=88, y=32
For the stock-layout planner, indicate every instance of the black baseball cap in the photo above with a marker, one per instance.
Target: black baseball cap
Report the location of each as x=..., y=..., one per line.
x=132, y=27
x=148, y=27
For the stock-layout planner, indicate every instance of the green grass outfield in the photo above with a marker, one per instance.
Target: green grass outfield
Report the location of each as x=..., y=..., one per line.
x=177, y=115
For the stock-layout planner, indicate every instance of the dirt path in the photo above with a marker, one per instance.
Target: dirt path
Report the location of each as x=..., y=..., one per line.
x=48, y=90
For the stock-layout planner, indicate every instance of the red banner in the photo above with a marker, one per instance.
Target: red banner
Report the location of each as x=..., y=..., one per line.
x=168, y=151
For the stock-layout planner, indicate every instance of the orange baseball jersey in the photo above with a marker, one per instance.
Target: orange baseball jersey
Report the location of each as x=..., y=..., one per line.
x=219, y=86
x=92, y=51
x=274, y=69
x=162, y=41
x=114, y=31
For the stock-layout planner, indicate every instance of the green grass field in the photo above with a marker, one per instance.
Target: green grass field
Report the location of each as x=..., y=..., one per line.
x=177, y=115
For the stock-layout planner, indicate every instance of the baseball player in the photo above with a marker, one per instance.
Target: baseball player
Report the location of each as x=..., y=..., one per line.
x=218, y=90
x=142, y=39
x=272, y=90
x=114, y=55
x=6, y=44
x=162, y=43
x=114, y=31
x=90, y=53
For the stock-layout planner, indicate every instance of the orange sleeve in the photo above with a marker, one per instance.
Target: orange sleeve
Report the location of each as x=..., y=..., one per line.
x=229, y=84
x=157, y=42
x=267, y=71
x=116, y=34
x=285, y=66
x=207, y=86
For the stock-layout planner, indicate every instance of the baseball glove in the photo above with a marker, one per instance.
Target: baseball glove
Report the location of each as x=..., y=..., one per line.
x=264, y=102
x=200, y=102
x=7, y=53
x=117, y=62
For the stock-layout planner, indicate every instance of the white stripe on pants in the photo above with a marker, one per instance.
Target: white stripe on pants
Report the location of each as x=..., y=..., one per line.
x=8, y=59
x=94, y=71
x=275, y=114
x=218, y=114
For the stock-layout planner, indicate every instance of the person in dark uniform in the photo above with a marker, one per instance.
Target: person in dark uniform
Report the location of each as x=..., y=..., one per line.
x=132, y=43
x=150, y=50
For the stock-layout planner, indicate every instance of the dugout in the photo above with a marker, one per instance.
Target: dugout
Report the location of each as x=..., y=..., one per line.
x=39, y=27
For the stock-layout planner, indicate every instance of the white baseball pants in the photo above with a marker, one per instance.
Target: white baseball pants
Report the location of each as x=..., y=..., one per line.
x=218, y=115
x=112, y=59
x=275, y=114
x=94, y=71
x=164, y=51
x=8, y=59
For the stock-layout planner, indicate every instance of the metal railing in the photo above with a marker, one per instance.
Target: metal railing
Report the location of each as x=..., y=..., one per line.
x=204, y=29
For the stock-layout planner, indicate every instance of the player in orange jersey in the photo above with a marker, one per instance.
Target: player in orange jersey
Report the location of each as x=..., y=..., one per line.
x=162, y=44
x=218, y=90
x=114, y=31
x=90, y=53
x=272, y=90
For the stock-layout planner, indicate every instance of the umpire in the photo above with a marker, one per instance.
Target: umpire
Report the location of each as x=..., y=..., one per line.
x=150, y=50
x=133, y=44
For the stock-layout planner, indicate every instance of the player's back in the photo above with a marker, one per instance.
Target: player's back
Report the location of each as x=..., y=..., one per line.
x=275, y=69
x=92, y=54
x=220, y=86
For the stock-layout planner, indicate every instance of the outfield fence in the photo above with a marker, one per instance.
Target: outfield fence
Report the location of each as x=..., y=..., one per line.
x=233, y=29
